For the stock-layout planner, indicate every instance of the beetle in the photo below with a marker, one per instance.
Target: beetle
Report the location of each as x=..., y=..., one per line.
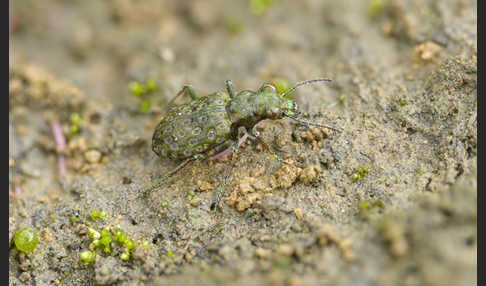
x=190, y=130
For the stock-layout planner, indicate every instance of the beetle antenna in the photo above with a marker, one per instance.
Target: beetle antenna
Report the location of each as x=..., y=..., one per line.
x=304, y=83
x=305, y=122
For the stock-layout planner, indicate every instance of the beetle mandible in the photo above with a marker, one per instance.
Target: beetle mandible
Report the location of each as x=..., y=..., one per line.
x=192, y=129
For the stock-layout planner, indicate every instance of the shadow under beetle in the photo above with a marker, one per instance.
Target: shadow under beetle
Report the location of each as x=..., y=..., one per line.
x=208, y=122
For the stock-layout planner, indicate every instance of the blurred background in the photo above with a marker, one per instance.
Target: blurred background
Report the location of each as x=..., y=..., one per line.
x=391, y=201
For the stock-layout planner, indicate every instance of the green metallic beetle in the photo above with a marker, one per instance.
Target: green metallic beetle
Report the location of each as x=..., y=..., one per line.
x=207, y=122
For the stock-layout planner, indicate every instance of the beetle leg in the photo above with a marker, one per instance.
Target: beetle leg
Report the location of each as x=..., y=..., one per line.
x=186, y=90
x=256, y=135
x=269, y=86
x=232, y=149
x=171, y=173
x=219, y=194
x=231, y=88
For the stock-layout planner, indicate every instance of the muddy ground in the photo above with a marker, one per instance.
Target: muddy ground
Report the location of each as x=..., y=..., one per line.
x=390, y=201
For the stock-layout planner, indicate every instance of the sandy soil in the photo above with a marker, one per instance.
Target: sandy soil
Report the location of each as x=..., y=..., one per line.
x=390, y=201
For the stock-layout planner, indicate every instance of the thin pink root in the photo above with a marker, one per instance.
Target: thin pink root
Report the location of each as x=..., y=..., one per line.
x=18, y=190
x=62, y=165
x=61, y=144
x=13, y=23
x=228, y=150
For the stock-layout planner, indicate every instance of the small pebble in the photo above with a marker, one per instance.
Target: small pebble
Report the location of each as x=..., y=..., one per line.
x=245, y=186
x=262, y=253
x=265, y=237
x=257, y=171
x=286, y=175
x=309, y=173
x=204, y=185
x=45, y=235
x=92, y=156
x=285, y=249
x=24, y=277
x=298, y=213
x=427, y=51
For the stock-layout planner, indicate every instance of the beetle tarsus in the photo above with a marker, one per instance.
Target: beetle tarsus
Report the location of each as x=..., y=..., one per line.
x=171, y=173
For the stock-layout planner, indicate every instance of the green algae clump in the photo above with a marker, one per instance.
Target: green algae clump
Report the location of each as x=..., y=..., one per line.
x=26, y=239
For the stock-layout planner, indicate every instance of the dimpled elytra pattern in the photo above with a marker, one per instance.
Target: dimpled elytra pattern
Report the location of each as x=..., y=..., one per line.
x=193, y=128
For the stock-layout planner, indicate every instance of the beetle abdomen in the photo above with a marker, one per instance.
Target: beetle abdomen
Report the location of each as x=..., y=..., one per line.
x=193, y=128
